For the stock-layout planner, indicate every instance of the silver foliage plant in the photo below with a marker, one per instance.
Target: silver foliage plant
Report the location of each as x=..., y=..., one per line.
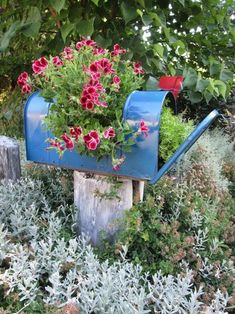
x=74, y=274
x=213, y=148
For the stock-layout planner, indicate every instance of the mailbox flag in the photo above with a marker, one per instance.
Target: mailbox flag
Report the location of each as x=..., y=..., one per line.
x=171, y=83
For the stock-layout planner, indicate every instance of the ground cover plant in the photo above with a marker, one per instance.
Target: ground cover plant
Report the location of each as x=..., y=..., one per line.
x=176, y=255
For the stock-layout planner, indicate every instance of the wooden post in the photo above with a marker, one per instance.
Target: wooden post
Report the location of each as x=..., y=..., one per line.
x=9, y=159
x=99, y=214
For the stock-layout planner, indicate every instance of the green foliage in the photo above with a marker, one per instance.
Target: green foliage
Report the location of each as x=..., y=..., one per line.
x=11, y=113
x=173, y=131
x=177, y=36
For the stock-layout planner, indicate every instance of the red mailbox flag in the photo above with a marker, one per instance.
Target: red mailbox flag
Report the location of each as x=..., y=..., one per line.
x=171, y=83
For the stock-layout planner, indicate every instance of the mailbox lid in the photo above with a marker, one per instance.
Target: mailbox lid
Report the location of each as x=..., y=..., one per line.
x=140, y=164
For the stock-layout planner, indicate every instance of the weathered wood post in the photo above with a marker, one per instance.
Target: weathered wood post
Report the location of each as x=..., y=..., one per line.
x=9, y=159
x=99, y=213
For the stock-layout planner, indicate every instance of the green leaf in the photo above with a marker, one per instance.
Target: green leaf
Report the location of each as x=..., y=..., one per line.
x=226, y=75
x=179, y=47
x=166, y=31
x=96, y=2
x=146, y=20
x=103, y=42
x=145, y=236
x=86, y=27
x=190, y=80
x=158, y=48
x=32, y=24
x=5, y=40
x=128, y=12
x=155, y=18
x=57, y=4
x=215, y=67
x=221, y=87
x=208, y=96
x=233, y=33
x=151, y=83
x=201, y=84
x=141, y=2
x=182, y=2
x=172, y=70
x=65, y=30
x=139, y=12
x=195, y=97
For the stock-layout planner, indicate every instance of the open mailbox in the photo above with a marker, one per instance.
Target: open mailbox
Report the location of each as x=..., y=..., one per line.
x=140, y=164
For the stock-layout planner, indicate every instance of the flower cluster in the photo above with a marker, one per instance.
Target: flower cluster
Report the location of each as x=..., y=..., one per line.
x=89, y=85
x=23, y=82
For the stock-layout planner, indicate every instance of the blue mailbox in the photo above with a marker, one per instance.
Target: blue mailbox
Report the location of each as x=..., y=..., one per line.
x=140, y=164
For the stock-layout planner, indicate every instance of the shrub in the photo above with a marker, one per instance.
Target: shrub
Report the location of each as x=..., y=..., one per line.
x=173, y=131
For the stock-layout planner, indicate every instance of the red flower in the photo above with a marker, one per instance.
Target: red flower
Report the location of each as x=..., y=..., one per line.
x=116, y=80
x=105, y=65
x=40, y=65
x=96, y=84
x=93, y=67
x=117, y=51
x=76, y=132
x=57, y=61
x=138, y=68
x=91, y=140
x=109, y=133
x=26, y=89
x=22, y=78
x=143, y=128
x=68, y=142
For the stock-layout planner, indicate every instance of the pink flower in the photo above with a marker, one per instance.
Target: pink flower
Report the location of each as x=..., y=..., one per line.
x=117, y=51
x=116, y=167
x=68, y=142
x=109, y=133
x=102, y=104
x=40, y=65
x=57, y=61
x=143, y=128
x=26, y=89
x=105, y=65
x=76, y=132
x=90, y=95
x=89, y=42
x=138, y=68
x=22, y=78
x=91, y=140
x=85, y=42
x=116, y=80
x=117, y=163
x=96, y=84
x=68, y=53
x=99, y=51
x=55, y=143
